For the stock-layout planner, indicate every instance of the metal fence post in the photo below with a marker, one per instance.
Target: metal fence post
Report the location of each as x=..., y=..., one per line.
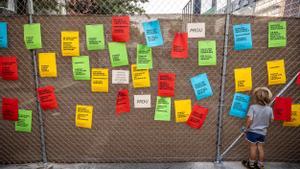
x=36, y=82
x=223, y=80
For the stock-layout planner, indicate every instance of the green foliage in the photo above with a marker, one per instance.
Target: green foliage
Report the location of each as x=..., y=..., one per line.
x=103, y=7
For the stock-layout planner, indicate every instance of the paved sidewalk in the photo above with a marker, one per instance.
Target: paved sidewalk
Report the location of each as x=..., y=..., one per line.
x=189, y=165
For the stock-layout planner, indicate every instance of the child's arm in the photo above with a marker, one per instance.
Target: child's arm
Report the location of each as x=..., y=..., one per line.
x=248, y=122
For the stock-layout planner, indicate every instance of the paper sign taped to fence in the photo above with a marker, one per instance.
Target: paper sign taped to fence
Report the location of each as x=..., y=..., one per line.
x=277, y=34
x=282, y=108
x=243, y=79
x=120, y=28
x=81, y=68
x=120, y=76
x=153, y=33
x=295, y=117
x=276, y=72
x=201, y=86
x=95, y=39
x=32, y=36
x=47, y=65
x=242, y=37
x=47, y=98
x=140, y=78
x=144, y=57
x=142, y=101
x=163, y=109
x=99, y=82
x=239, y=105
x=70, y=43
x=84, y=116
x=9, y=68
x=24, y=122
x=118, y=54
x=298, y=80
x=196, y=30
x=3, y=35
x=123, y=102
x=180, y=45
x=10, y=109
x=166, y=84
x=207, y=54
x=197, y=116
x=183, y=110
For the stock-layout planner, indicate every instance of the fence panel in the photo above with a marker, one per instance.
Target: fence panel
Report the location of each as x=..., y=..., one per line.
x=281, y=142
x=132, y=137
x=19, y=147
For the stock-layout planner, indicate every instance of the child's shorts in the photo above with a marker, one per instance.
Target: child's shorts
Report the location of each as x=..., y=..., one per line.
x=255, y=138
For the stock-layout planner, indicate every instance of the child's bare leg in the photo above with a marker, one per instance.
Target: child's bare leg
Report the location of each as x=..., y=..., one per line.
x=253, y=149
x=261, y=153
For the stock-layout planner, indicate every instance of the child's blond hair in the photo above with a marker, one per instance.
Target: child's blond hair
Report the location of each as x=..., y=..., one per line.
x=262, y=96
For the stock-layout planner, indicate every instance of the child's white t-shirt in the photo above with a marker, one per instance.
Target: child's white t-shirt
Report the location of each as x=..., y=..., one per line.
x=261, y=117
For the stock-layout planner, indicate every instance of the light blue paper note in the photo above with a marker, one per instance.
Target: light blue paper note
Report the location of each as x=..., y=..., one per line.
x=3, y=35
x=153, y=33
x=239, y=105
x=242, y=37
x=201, y=86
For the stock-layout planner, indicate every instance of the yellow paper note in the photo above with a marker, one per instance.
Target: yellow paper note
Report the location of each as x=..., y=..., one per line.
x=84, y=116
x=276, y=72
x=140, y=77
x=99, y=80
x=243, y=79
x=295, y=119
x=47, y=65
x=182, y=110
x=70, y=43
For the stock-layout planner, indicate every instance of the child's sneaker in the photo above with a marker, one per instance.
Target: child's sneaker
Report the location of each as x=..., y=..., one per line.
x=247, y=164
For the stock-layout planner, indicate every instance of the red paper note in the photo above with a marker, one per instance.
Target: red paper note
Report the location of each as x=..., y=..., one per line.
x=120, y=29
x=298, y=80
x=1, y=66
x=47, y=97
x=197, y=116
x=123, y=104
x=282, y=108
x=10, y=109
x=9, y=68
x=180, y=45
x=166, y=84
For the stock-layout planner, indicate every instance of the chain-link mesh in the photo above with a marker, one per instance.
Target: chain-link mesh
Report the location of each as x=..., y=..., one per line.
x=19, y=147
x=282, y=142
x=136, y=137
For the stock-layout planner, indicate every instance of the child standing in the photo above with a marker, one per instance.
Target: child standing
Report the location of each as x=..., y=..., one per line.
x=259, y=116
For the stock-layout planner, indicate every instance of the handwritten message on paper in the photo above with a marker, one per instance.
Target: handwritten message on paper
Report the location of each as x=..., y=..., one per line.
x=99, y=82
x=183, y=110
x=201, y=86
x=276, y=72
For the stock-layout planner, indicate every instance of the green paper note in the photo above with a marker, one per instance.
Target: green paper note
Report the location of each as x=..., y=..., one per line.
x=32, y=36
x=144, y=57
x=81, y=68
x=118, y=54
x=163, y=109
x=24, y=121
x=277, y=34
x=207, y=53
x=95, y=37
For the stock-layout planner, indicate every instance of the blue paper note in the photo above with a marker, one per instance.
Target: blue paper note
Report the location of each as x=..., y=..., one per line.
x=153, y=33
x=201, y=86
x=239, y=105
x=3, y=35
x=242, y=37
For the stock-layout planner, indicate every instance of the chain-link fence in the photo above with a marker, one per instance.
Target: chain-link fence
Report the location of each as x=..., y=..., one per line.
x=136, y=137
